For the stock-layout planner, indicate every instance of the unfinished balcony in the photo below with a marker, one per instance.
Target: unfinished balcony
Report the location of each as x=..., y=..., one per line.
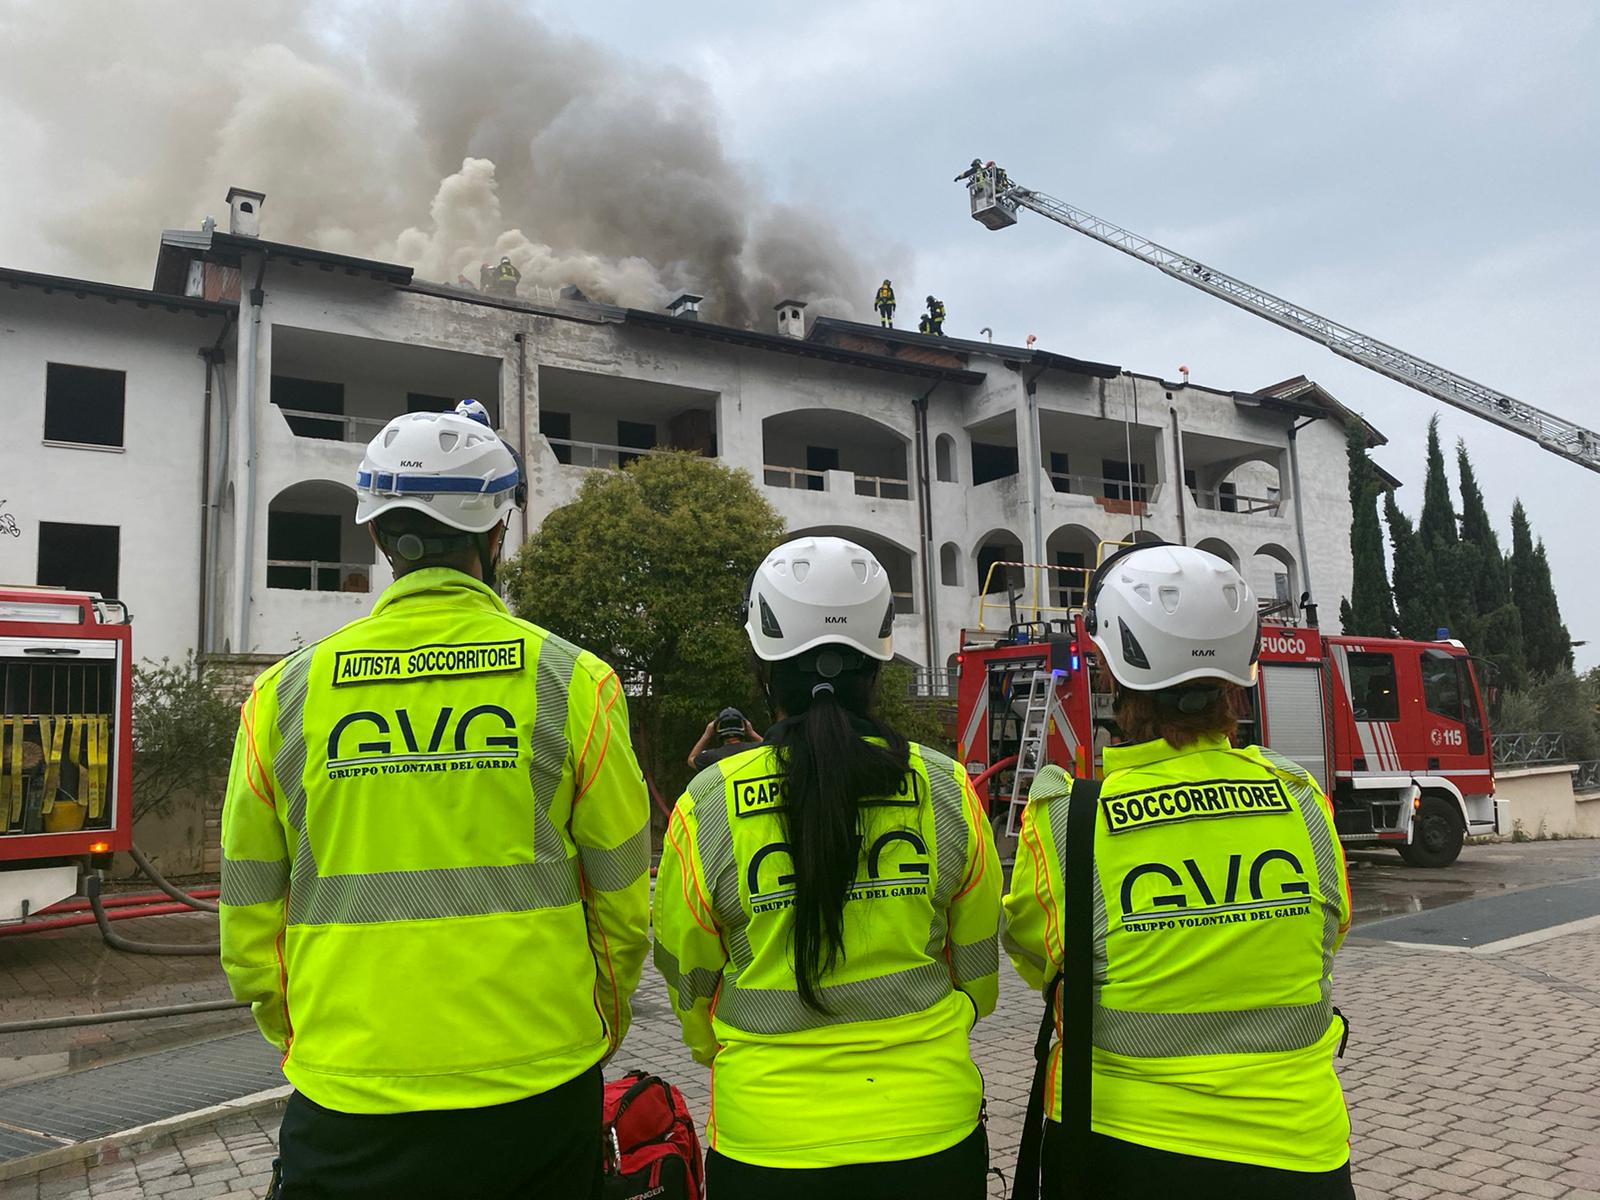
x=332, y=388
x=1108, y=464
x=822, y=450
x=589, y=421
x=1233, y=478
x=321, y=569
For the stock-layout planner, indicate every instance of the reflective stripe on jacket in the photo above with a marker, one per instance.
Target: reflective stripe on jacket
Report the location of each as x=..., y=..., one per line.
x=435, y=876
x=1219, y=900
x=885, y=1073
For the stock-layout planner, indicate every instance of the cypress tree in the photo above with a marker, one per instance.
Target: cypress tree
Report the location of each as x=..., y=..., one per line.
x=1438, y=523
x=1546, y=643
x=1555, y=655
x=1370, y=609
x=1418, y=604
x=1491, y=588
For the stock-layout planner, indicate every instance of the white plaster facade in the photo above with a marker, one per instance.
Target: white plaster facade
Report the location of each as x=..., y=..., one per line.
x=827, y=425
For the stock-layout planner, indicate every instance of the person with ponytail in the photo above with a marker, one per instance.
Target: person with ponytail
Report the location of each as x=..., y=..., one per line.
x=827, y=912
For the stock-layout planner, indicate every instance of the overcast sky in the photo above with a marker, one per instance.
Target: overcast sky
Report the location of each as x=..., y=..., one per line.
x=1426, y=172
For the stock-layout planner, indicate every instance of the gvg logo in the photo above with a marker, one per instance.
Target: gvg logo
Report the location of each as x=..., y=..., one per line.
x=1158, y=895
x=370, y=742
x=897, y=864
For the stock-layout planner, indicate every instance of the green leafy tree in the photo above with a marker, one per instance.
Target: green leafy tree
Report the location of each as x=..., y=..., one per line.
x=647, y=568
x=1417, y=600
x=1547, y=644
x=1559, y=702
x=183, y=729
x=1369, y=610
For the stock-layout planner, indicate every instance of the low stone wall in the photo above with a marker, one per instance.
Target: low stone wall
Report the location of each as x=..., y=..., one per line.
x=1541, y=801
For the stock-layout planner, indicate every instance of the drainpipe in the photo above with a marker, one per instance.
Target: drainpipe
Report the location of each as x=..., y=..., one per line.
x=1183, y=485
x=925, y=528
x=522, y=425
x=1030, y=387
x=214, y=499
x=213, y=358
x=1299, y=509
x=247, y=437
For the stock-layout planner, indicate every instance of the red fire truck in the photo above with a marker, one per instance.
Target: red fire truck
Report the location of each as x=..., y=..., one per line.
x=66, y=700
x=1393, y=730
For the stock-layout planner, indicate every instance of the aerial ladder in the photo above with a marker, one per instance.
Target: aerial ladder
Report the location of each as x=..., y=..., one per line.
x=995, y=200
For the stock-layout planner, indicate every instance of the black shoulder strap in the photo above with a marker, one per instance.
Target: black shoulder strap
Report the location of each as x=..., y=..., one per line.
x=1076, y=986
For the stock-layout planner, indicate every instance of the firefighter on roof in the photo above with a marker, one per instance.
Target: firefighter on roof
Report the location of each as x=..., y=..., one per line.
x=884, y=303
x=1224, y=900
x=506, y=278
x=935, y=317
x=435, y=876
x=826, y=912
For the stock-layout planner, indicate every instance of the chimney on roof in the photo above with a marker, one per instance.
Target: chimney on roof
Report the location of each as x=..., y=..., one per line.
x=791, y=318
x=244, y=211
x=686, y=306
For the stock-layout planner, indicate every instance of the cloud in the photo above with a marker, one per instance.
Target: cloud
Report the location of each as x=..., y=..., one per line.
x=440, y=134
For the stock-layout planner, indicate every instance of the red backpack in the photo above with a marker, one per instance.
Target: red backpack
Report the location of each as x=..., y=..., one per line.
x=652, y=1151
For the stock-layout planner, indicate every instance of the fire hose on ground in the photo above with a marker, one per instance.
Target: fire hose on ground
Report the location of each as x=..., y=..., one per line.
x=126, y=1014
x=184, y=901
x=73, y=914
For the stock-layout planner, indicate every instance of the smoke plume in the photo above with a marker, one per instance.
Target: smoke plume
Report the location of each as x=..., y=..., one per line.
x=437, y=135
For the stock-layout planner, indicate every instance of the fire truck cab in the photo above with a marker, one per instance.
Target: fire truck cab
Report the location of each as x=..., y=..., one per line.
x=1393, y=730
x=66, y=702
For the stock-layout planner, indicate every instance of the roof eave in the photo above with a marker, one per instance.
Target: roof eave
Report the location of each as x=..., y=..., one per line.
x=113, y=292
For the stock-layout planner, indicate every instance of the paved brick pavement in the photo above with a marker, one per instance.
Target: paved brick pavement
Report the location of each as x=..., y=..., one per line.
x=1468, y=1075
x=73, y=971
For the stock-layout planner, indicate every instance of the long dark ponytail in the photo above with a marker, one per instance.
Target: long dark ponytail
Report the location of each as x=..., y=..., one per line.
x=828, y=768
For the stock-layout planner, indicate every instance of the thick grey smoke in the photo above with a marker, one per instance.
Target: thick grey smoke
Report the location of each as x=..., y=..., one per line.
x=439, y=135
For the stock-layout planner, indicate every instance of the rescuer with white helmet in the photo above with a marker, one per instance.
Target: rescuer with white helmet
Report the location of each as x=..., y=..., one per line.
x=1224, y=900
x=440, y=939
x=858, y=945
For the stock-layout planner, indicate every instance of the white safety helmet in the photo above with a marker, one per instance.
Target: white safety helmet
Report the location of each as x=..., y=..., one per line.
x=1163, y=615
x=442, y=464
x=818, y=591
x=475, y=410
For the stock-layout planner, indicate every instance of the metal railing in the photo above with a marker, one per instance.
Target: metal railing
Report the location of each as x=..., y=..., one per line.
x=933, y=683
x=1098, y=487
x=880, y=487
x=1061, y=583
x=598, y=455
x=308, y=575
x=794, y=477
x=1522, y=749
x=333, y=427
x=1216, y=500
x=1587, y=776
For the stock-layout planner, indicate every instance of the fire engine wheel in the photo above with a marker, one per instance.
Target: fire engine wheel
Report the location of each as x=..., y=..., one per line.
x=1436, y=836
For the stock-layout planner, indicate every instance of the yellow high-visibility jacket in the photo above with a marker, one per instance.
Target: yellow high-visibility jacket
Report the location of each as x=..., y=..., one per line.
x=1219, y=900
x=435, y=876
x=885, y=1073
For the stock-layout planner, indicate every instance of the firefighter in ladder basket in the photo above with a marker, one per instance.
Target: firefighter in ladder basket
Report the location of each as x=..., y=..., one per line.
x=1220, y=898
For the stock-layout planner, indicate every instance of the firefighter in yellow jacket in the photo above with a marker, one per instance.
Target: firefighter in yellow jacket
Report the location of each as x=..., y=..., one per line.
x=826, y=915
x=1219, y=899
x=435, y=866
